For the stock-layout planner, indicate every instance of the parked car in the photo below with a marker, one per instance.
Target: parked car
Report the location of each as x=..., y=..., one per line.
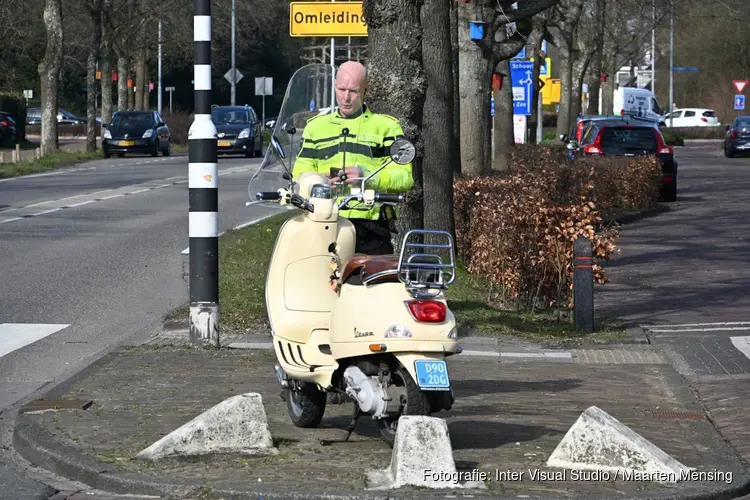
x=7, y=129
x=738, y=137
x=583, y=121
x=692, y=117
x=240, y=130
x=64, y=117
x=136, y=132
x=631, y=138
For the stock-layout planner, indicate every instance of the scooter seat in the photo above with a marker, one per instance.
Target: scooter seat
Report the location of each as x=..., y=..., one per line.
x=370, y=269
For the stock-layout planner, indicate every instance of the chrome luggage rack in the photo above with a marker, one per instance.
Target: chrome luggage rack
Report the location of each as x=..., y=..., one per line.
x=421, y=266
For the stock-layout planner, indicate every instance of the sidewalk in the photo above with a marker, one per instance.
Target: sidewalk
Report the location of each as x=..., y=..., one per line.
x=510, y=414
x=67, y=143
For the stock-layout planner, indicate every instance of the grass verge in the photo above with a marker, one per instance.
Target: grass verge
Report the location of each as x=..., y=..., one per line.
x=243, y=260
x=46, y=163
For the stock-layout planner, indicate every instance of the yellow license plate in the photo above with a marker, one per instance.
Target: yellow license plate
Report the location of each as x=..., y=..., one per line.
x=224, y=144
x=127, y=143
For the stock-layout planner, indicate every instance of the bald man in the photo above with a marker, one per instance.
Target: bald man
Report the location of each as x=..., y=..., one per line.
x=367, y=144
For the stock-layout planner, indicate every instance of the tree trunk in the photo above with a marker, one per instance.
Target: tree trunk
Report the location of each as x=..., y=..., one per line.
x=140, y=77
x=122, y=83
x=595, y=84
x=579, y=70
x=147, y=80
x=504, y=126
x=438, y=122
x=475, y=73
x=131, y=89
x=608, y=87
x=106, y=62
x=49, y=73
x=106, y=84
x=398, y=85
x=534, y=47
x=95, y=12
x=456, y=136
x=566, y=95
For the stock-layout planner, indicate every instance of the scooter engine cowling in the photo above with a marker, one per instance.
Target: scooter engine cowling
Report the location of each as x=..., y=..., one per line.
x=366, y=391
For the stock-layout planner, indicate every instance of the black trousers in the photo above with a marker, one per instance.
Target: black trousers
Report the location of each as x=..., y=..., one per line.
x=373, y=237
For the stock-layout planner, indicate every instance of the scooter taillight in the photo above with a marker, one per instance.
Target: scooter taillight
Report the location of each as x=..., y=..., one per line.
x=427, y=311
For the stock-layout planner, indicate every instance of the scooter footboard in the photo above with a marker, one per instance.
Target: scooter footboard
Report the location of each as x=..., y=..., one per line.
x=428, y=369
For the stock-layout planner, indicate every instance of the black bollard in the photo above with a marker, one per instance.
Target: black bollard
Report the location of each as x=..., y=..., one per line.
x=583, y=285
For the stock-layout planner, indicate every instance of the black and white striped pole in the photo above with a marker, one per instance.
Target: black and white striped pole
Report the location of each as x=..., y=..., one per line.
x=203, y=192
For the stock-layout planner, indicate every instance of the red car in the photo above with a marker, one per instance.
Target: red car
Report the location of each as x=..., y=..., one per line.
x=618, y=138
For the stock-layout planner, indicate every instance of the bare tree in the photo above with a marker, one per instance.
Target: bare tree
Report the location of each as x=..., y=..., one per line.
x=562, y=25
x=94, y=8
x=438, y=119
x=49, y=73
x=398, y=82
x=478, y=60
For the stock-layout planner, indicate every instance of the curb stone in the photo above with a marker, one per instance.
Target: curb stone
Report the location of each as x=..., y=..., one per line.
x=39, y=446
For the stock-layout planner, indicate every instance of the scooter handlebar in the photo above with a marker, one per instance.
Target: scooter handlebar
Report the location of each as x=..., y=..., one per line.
x=268, y=196
x=389, y=198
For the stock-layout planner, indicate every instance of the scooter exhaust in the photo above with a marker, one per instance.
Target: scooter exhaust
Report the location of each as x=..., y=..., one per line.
x=283, y=379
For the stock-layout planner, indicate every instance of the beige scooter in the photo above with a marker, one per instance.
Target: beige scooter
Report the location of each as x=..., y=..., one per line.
x=374, y=328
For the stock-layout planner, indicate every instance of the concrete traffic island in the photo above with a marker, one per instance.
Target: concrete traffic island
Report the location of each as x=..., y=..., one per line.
x=509, y=419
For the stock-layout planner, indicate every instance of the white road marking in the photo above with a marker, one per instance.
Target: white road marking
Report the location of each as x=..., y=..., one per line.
x=728, y=323
x=80, y=204
x=14, y=336
x=45, y=212
x=59, y=204
x=742, y=344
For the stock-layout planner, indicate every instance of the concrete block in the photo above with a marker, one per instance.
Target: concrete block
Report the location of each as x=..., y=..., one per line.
x=597, y=441
x=236, y=425
x=422, y=456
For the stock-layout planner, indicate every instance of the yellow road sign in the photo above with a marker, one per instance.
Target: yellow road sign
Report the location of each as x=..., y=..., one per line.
x=326, y=19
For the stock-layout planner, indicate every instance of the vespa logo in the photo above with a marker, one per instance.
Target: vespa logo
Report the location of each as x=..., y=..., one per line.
x=362, y=334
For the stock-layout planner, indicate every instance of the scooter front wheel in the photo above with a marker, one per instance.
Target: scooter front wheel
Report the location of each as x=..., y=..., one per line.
x=306, y=404
x=416, y=403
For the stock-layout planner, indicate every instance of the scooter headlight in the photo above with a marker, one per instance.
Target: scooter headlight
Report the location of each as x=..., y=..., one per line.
x=397, y=332
x=453, y=334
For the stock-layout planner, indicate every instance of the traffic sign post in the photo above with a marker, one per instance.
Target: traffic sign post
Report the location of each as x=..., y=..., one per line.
x=739, y=85
x=170, y=90
x=739, y=102
x=264, y=87
x=523, y=85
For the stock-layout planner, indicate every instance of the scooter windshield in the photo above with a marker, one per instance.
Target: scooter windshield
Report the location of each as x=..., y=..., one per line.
x=308, y=137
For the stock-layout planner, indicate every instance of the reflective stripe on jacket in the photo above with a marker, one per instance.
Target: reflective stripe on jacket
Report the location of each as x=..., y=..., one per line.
x=367, y=145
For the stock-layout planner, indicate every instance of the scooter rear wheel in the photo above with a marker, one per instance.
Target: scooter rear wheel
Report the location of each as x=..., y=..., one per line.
x=416, y=403
x=306, y=405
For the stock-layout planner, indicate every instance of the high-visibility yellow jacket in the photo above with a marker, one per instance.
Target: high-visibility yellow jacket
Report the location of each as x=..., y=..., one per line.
x=367, y=145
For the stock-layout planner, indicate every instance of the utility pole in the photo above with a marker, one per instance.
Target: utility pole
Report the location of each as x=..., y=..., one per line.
x=203, y=192
x=671, y=62
x=234, y=52
x=159, y=106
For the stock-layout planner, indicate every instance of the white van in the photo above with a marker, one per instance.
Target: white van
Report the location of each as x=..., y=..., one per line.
x=638, y=102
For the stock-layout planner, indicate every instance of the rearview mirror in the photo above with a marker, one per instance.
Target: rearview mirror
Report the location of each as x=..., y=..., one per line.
x=403, y=151
x=572, y=145
x=563, y=137
x=276, y=145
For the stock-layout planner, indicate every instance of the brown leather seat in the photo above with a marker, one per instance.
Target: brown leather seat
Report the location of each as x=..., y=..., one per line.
x=372, y=268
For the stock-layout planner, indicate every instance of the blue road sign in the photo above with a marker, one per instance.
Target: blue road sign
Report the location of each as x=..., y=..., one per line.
x=312, y=105
x=520, y=55
x=492, y=106
x=521, y=73
x=683, y=69
x=739, y=102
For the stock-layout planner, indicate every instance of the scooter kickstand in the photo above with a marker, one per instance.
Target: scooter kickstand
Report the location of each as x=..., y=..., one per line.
x=353, y=423
x=349, y=428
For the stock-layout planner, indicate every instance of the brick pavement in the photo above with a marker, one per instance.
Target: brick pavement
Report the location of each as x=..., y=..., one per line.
x=508, y=416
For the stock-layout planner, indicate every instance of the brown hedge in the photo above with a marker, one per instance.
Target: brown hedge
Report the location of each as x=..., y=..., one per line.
x=517, y=228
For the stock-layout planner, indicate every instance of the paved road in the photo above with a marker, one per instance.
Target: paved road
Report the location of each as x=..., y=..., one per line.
x=685, y=275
